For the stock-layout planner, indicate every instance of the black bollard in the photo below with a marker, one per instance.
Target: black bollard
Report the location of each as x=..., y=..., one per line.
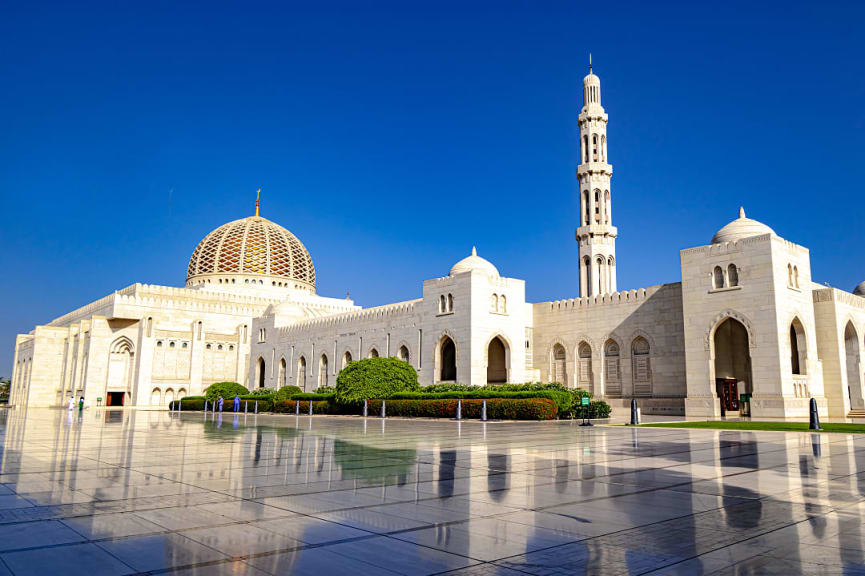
x=814, y=422
x=484, y=411
x=635, y=416
x=459, y=409
x=365, y=408
x=383, y=412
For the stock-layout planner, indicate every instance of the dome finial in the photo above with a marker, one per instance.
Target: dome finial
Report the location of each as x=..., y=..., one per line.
x=257, y=201
x=590, y=62
x=474, y=251
x=741, y=211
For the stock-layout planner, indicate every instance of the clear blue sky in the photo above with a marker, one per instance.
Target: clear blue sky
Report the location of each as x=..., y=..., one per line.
x=390, y=138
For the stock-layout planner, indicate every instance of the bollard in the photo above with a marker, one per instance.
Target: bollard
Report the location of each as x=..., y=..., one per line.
x=256, y=406
x=205, y=406
x=635, y=415
x=297, y=407
x=245, y=406
x=814, y=421
x=383, y=412
x=310, y=407
x=365, y=408
x=459, y=409
x=214, y=406
x=180, y=405
x=484, y=410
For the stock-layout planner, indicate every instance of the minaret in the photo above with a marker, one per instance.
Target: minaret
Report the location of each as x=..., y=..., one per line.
x=596, y=234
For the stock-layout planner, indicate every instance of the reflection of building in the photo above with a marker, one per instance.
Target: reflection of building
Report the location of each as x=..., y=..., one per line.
x=745, y=320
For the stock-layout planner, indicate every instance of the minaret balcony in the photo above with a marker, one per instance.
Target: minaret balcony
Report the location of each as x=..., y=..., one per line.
x=598, y=230
x=595, y=168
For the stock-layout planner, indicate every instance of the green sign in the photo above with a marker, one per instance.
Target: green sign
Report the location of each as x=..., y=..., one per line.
x=584, y=401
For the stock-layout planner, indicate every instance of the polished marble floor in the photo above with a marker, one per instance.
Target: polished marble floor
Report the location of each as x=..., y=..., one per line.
x=126, y=492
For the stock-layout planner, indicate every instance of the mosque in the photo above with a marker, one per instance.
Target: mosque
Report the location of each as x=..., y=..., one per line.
x=746, y=331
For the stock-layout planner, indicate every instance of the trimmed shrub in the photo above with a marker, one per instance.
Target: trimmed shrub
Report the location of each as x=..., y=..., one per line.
x=497, y=408
x=318, y=407
x=374, y=378
x=286, y=392
x=225, y=389
x=262, y=392
x=325, y=390
x=312, y=396
x=562, y=398
x=188, y=403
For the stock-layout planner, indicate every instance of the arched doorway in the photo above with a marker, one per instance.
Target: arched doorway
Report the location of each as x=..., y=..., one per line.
x=612, y=372
x=732, y=363
x=497, y=369
x=447, y=360
x=560, y=369
x=119, y=372
x=301, y=373
x=854, y=382
x=642, y=369
x=260, y=372
x=584, y=352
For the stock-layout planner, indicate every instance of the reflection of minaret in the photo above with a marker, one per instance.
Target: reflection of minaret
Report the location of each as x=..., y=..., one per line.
x=596, y=234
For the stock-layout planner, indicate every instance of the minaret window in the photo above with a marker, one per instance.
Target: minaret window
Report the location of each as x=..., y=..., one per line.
x=587, y=211
x=594, y=147
x=603, y=148
x=585, y=148
x=606, y=206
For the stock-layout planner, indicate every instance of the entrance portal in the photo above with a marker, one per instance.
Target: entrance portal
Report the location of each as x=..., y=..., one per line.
x=732, y=363
x=497, y=371
x=114, y=398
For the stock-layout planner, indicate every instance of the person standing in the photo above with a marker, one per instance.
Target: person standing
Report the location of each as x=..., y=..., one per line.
x=236, y=403
x=72, y=402
x=81, y=404
x=220, y=403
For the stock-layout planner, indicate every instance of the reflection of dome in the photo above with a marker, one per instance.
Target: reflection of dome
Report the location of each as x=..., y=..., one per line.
x=474, y=263
x=859, y=290
x=252, y=249
x=740, y=228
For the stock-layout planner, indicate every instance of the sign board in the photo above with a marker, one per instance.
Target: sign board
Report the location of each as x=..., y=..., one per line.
x=584, y=401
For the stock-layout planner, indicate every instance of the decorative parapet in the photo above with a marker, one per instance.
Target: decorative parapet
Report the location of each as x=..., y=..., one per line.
x=397, y=310
x=613, y=299
x=833, y=294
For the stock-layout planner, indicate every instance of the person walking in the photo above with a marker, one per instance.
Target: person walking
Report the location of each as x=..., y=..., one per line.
x=81, y=404
x=72, y=402
x=220, y=403
x=236, y=403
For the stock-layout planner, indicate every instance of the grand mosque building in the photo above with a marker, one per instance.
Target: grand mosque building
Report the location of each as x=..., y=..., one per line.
x=745, y=330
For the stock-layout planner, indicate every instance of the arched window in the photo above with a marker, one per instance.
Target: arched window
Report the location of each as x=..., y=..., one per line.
x=599, y=274
x=789, y=275
x=606, y=206
x=322, y=371
x=159, y=343
x=585, y=148
x=612, y=370
x=587, y=211
x=584, y=380
x=402, y=354
x=796, y=276
x=172, y=344
x=597, y=206
x=603, y=148
x=450, y=302
x=346, y=358
x=494, y=303
x=373, y=353
x=443, y=307
x=559, y=373
x=798, y=347
x=642, y=369
x=301, y=373
x=587, y=271
x=611, y=264
x=718, y=278
x=280, y=381
x=594, y=147
x=732, y=275
x=503, y=304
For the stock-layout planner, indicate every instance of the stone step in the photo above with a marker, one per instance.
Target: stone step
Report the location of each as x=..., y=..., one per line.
x=856, y=414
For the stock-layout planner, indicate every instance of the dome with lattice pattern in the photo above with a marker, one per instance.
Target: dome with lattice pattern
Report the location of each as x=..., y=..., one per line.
x=252, y=250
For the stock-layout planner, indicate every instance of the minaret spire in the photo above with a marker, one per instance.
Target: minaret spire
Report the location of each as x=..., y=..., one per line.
x=257, y=201
x=590, y=62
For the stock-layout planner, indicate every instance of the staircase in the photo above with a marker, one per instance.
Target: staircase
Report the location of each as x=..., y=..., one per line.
x=858, y=413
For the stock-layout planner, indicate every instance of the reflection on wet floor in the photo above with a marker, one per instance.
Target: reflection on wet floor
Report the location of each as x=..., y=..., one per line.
x=114, y=492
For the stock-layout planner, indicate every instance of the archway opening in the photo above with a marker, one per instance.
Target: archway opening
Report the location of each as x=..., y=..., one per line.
x=854, y=382
x=584, y=352
x=346, y=358
x=373, y=353
x=402, y=354
x=280, y=381
x=448, y=360
x=797, y=347
x=560, y=369
x=497, y=370
x=612, y=372
x=260, y=372
x=322, y=371
x=732, y=363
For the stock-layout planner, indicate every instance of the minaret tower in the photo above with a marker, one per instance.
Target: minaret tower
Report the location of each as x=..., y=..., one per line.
x=596, y=234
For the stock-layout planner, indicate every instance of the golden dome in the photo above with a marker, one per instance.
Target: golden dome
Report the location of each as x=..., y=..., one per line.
x=252, y=249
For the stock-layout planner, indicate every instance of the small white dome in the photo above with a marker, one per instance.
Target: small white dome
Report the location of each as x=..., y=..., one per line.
x=741, y=227
x=474, y=263
x=860, y=290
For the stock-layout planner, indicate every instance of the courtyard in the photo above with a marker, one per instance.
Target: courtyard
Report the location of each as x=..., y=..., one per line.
x=130, y=492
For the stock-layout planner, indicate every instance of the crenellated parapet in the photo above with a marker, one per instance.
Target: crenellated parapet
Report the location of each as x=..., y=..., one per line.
x=628, y=297
x=400, y=309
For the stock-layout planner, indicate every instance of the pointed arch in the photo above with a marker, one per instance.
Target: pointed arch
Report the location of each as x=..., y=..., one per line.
x=497, y=358
x=280, y=381
x=322, y=371
x=584, y=366
x=612, y=367
x=446, y=358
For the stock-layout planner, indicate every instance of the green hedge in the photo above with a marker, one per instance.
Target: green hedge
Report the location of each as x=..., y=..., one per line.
x=188, y=403
x=497, y=408
x=286, y=392
x=318, y=407
x=562, y=398
x=597, y=409
x=225, y=389
x=374, y=378
x=312, y=396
